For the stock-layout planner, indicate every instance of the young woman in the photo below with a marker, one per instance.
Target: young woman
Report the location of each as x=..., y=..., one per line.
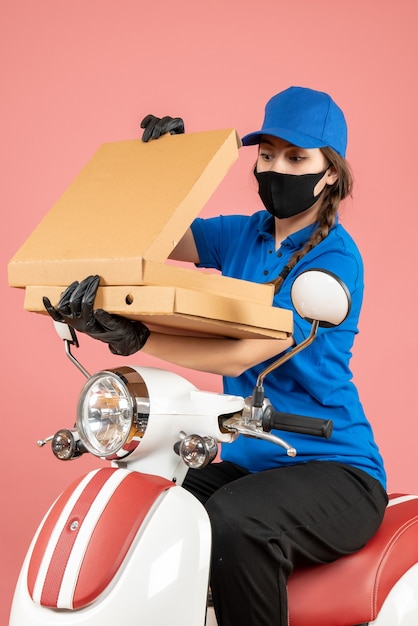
x=271, y=513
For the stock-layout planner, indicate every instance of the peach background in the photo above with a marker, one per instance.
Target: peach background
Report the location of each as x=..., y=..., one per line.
x=77, y=73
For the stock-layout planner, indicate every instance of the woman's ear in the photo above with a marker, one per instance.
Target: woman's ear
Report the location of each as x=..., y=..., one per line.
x=332, y=175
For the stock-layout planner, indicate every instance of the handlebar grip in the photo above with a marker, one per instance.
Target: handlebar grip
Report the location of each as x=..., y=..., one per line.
x=296, y=423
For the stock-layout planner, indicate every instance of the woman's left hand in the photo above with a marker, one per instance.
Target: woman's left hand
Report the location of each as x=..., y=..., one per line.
x=156, y=126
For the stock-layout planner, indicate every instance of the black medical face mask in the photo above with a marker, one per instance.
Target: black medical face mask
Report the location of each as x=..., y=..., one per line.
x=286, y=195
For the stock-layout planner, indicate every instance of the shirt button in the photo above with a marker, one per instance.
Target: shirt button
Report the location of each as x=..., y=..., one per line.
x=279, y=254
x=265, y=272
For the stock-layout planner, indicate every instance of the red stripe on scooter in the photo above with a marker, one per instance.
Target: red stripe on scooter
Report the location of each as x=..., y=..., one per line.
x=59, y=559
x=67, y=538
x=110, y=539
x=45, y=534
x=114, y=533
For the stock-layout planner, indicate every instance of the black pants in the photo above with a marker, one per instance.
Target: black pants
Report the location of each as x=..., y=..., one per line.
x=266, y=524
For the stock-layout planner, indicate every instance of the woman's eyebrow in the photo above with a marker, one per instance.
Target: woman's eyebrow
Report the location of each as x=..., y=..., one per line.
x=271, y=143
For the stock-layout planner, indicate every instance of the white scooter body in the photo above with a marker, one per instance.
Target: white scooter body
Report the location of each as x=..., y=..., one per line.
x=163, y=579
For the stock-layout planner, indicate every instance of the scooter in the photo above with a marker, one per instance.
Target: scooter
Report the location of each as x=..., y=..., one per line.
x=126, y=543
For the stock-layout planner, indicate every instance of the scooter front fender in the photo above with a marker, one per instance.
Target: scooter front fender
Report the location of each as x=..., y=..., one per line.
x=118, y=546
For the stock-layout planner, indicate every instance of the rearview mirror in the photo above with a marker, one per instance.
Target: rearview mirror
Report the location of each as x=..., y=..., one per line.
x=319, y=295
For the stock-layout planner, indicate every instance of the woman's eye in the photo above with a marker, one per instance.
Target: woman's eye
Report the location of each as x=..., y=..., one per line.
x=265, y=156
x=296, y=158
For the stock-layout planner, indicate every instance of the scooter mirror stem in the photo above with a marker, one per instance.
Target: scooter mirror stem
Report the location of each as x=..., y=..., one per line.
x=72, y=358
x=258, y=393
x=320, y=298
x=258, y=396
x=68, y=335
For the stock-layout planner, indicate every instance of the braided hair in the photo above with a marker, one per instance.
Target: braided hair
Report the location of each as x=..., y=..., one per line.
x=331, y=198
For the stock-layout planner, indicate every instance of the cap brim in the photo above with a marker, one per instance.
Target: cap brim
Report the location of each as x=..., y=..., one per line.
x=297, y=139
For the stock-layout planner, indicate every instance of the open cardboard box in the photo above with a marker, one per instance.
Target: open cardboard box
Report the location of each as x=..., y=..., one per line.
x=121, y=218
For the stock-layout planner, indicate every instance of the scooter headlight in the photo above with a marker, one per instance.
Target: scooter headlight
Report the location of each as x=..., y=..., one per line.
x=113, y=412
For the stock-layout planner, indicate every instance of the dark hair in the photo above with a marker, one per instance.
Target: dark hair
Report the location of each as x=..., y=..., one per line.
x=331, y=198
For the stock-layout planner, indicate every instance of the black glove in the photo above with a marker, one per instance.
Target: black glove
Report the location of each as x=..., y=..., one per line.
x=156, y=126
x=75, y=308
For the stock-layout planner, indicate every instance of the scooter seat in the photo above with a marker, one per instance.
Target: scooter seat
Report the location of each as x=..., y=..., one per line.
x=353, y=589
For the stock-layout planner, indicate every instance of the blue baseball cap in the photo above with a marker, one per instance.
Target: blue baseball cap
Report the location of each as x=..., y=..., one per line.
x=304, y=117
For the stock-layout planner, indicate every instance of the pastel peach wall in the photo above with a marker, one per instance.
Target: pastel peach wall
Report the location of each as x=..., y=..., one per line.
x=77, y=73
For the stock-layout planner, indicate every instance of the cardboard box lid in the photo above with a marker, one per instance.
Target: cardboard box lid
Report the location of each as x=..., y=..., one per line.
x=96, y=218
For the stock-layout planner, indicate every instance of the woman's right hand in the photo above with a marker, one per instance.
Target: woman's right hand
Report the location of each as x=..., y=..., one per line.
x=76, y=309
x=154, y=127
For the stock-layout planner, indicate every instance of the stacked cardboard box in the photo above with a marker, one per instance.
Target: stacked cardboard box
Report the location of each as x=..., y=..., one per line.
x=121, y=218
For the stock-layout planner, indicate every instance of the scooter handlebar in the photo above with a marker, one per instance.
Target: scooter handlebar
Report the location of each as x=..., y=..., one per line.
x=296, y=423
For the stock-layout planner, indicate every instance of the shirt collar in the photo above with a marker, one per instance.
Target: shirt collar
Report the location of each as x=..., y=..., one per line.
x=296, y=240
